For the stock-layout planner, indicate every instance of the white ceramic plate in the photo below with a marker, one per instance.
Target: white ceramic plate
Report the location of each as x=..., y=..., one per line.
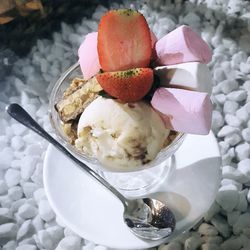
x=95, y=214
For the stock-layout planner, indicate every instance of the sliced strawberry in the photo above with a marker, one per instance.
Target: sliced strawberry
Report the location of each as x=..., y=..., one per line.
x=124, y=40
x=128, y=86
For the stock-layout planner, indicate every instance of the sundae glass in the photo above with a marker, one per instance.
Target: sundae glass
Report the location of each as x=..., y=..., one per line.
x=119, y=109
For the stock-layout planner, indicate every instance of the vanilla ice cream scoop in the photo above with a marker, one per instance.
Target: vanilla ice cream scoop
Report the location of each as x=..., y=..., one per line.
x=120, y=135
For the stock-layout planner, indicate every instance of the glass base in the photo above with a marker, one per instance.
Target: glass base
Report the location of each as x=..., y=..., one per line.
x=136, y=184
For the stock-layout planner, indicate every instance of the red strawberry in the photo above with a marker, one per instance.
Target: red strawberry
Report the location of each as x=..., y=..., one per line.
x=128, y=86
x=124, y=40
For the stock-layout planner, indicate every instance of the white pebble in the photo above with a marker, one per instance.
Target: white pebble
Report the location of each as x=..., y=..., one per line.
x=16, y=204
x=244, y=68
x=193, y=242
x=56, y=232
x=28, y=166
x=221, y=225
x=192, y=19
x=32, y=202
x=28, y=189
x=242, y=114
x=31, y=109
x=232, y=217
x=244, y=43
x=45, y=211
x=242, y=222
x=232, y=120
x=3, y=141
x=217, y=119
x=207, y=229
x=8, y=230
x=3, y=187
x=245, y=241
x=246, y=134
x=60, y=222
x=29, y=241
x=30, y=137
x=50, y=224
x=226, y=182
x=15, y=193
x=242, y=151
x=9, y=132
x=25, y=230
x=6, y=156
x=224, y=146
x=10, y=245
x=228, y=86
x=227, y=130
x=18, y=129
x=12, y=177
x=244, y=167
x=16, y=164
x=219, y=74
x=229, y=172
x=42, y=111
x=38, y=223
x=227, y=197
x=221, y=98
x=233, y=139
x=69, y=243
x=26, y=247
x=37, y=176
x=19, y=154
x=44, y=240
x=17, y=142
x=27, y=211
x=246, y=231
x=227, y=158
x=231, y=244
x=209, y=246
x=39, y=194
x=242, y=203
x=238, y=57
x=34, y=149
x=68, y=232
x=238, y=95
x=230, y=107
x=5, y=215
x=246, y=85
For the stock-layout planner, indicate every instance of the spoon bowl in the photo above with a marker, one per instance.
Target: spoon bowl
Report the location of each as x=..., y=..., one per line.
x=147, y=218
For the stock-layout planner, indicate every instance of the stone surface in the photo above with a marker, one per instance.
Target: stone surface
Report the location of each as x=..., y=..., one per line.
x=224, y=25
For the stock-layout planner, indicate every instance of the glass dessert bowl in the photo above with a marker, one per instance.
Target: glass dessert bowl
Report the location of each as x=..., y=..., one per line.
x=135, y=180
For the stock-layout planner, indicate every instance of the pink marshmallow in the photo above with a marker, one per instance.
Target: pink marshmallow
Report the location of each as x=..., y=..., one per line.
x=88, y=56
x=184, y=110
x=182, y=45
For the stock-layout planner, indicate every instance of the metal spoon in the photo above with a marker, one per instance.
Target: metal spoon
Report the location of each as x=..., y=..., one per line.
x=147, y=218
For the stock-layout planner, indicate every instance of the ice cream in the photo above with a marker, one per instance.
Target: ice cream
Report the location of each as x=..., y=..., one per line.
x=121, y=135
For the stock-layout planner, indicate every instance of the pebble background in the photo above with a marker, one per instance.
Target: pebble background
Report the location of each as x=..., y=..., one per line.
x=26, y=219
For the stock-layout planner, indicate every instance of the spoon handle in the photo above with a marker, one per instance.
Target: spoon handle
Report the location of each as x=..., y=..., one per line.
x=19, y=114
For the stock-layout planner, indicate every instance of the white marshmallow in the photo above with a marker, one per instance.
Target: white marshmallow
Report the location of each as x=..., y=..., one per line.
x=190, y=76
